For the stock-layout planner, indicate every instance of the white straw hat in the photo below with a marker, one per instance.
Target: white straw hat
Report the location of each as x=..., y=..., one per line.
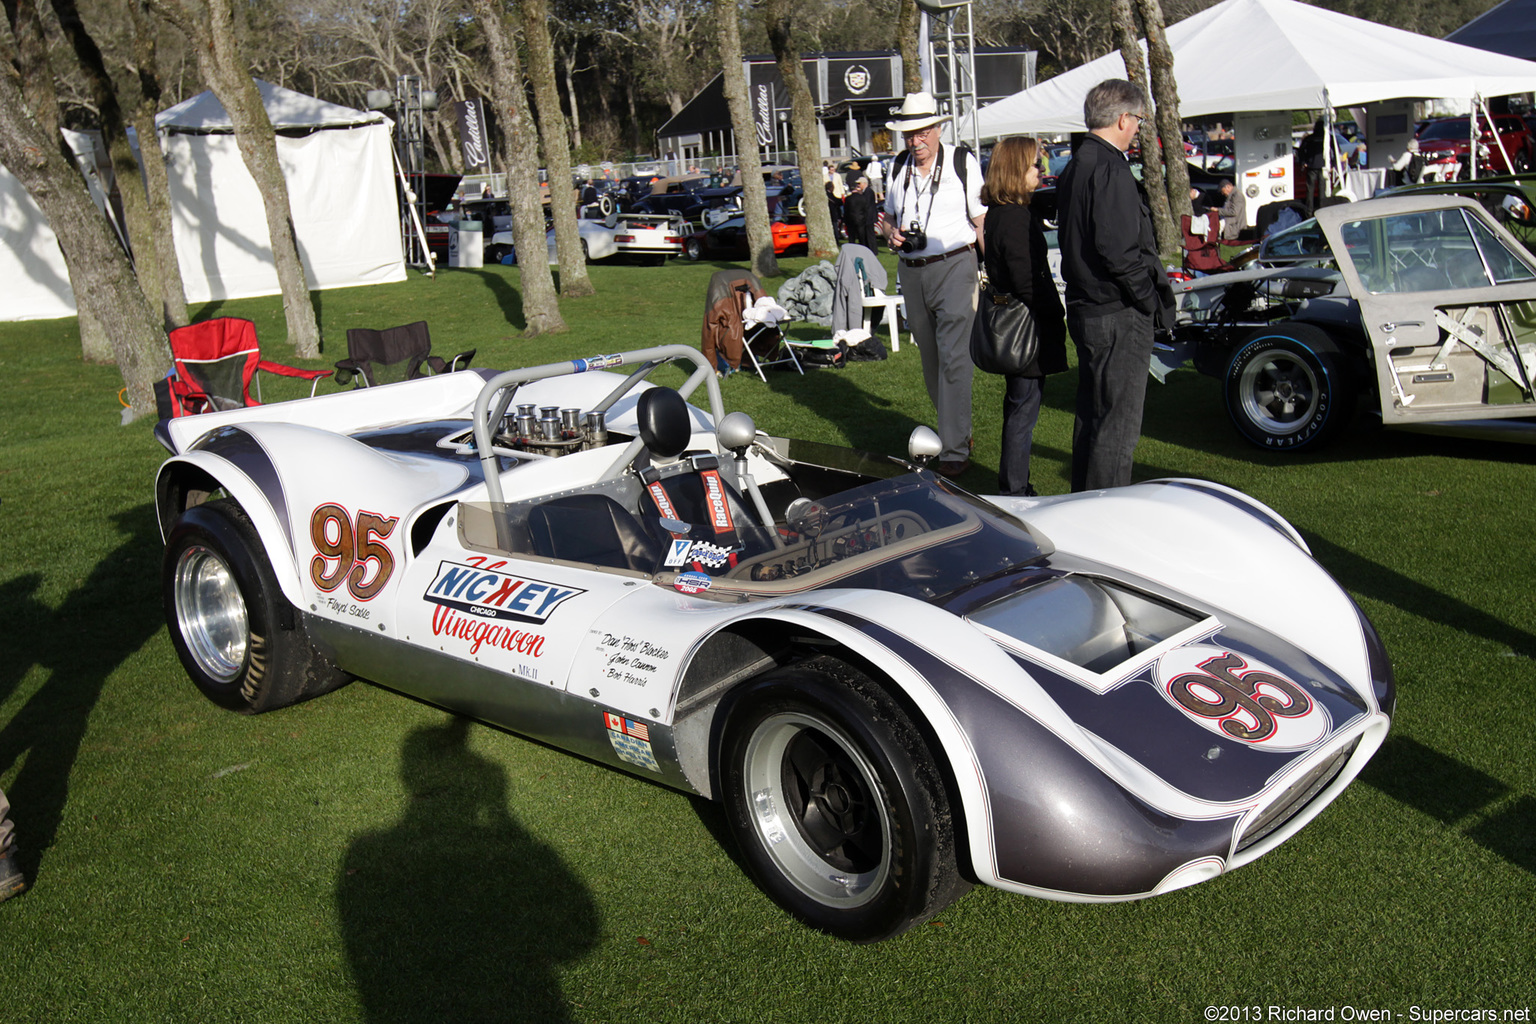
x=918, y=111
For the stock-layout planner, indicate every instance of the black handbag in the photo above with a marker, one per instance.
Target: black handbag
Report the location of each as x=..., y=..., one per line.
x=1006, y=337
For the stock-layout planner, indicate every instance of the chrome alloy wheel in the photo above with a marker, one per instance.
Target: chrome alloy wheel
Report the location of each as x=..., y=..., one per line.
x=210, y=612
x=1279, y=392
x=818, y=809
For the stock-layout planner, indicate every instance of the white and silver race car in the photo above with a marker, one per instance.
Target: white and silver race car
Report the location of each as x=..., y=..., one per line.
x=896, y=688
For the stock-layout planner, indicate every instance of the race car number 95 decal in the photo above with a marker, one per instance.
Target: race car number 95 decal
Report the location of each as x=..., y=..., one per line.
x=350, y=544
x=1245, y=700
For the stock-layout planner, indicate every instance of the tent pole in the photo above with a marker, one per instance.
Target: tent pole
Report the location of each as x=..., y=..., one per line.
x=421, y=234
x=1493, y=127
x=1330, y=151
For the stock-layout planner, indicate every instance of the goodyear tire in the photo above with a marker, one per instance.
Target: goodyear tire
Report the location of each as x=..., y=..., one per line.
x=1289, y=389
x=243, y=645
x=840, y=813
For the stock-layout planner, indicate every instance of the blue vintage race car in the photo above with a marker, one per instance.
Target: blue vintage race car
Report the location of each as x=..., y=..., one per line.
x=896, y=688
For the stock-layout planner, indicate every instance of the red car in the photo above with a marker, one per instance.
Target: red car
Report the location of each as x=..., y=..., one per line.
x=728, y=239
x=1445, y=141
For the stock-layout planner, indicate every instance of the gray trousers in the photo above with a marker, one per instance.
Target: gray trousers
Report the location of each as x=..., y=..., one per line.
x=5, y=824
x=941, y=305
x=1113, y=354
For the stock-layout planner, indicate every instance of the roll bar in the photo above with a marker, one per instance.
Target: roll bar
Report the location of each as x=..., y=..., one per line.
x=644, y=360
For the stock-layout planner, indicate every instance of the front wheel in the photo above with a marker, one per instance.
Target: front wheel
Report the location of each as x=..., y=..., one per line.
x=1289, y=391
x=693, y=249
x=241, y=642
x=836, y=803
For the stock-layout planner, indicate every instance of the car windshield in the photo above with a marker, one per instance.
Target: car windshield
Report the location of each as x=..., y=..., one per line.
x=909, y=534
x=1454, y=128
x=1430, y=251
x=1301, y=240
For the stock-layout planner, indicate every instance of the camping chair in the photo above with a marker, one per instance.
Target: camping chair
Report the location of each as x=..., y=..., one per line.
x=727, y=336
x=893, y=306
x=215, y=362
x=1202, y=253
x=393, y=354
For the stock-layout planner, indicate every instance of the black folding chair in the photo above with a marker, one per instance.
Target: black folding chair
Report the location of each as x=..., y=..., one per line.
x=393, y=354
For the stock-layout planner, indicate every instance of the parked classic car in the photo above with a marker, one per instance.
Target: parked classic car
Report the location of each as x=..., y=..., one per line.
x=643, y=237
x=895, y=687
x=1426, y=305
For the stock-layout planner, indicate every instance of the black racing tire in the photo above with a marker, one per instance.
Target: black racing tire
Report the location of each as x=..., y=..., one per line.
x=693, y=249
x=241, y=642
x=1289, y=388
x=586, y=254
x=836, y=803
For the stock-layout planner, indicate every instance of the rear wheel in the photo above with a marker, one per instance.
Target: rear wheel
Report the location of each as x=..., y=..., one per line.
x=243, y=645
x=836, y=803
x=1289, y=391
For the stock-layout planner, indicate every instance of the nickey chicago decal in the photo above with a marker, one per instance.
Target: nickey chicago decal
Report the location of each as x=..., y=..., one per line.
x=1241, y=698
x=496, y=595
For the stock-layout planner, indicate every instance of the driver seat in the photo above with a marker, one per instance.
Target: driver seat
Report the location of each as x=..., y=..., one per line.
x=687, y=488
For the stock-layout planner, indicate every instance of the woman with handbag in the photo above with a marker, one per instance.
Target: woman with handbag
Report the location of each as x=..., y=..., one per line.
x=1021, y=328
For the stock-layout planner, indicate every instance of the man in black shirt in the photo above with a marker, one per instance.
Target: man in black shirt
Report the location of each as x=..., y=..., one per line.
x=1115, y=284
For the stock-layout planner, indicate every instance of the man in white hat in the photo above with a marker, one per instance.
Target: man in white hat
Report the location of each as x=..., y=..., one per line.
x=932, y=219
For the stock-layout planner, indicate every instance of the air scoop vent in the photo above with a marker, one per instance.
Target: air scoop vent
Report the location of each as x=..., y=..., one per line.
x=1296, y=797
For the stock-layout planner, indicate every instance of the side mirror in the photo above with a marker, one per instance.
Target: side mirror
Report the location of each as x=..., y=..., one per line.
x=923, y=444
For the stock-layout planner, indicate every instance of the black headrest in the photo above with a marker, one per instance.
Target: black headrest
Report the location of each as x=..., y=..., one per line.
x=665, y=424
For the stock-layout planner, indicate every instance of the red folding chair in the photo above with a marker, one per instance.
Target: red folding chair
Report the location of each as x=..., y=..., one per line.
x=216, y=361
x=1202, y=253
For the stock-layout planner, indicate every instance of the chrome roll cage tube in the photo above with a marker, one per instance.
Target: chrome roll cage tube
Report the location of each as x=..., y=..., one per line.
x=642, y=360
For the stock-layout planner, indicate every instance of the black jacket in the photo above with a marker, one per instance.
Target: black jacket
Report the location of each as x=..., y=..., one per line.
x=1017, y=260
x=1109, y=254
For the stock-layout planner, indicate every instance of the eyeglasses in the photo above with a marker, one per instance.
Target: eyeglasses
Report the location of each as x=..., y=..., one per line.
x=1139, y=118
x=909, y=136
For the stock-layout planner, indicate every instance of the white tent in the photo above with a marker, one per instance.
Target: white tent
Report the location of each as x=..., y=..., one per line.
x=1244, y=55
x=341, y=188
x=31, y=265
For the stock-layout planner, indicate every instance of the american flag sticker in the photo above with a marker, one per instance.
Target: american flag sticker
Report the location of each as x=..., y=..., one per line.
x=631, y=740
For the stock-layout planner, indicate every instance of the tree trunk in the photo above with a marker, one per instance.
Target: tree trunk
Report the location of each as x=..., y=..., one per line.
x=1151, y=155
x=105, y=287
x=1165, y=91
x=566, y=60
x=211, y=28
x=541, y=307
x=169, y=286
x=802, y=120
x=125, y=168
x=908, y=22
x=754, y=192
x=574, y=280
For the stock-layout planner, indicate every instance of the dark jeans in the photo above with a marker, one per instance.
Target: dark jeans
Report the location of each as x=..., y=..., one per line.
x=1114, y=352
x=1021, y=408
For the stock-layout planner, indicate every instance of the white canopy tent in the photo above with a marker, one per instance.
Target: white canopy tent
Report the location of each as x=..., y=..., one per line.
x=31, y=264
x=338, y=166
x=1255, y=55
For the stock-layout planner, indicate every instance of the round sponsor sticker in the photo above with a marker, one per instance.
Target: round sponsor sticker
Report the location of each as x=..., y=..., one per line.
x=1242, y=698
x=691, y=582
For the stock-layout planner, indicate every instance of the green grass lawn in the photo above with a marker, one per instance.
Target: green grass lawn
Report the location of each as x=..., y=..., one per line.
x=364, y=857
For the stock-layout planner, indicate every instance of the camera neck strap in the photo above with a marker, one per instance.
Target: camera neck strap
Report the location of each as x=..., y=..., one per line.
x=932, y=190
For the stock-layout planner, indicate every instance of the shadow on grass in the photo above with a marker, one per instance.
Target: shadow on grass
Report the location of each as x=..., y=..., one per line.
x=1459, y=796
x=508, y=299
x=457, y=913
x=103, y=621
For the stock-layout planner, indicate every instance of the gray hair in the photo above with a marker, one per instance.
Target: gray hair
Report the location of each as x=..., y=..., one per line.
x=1109, y=99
